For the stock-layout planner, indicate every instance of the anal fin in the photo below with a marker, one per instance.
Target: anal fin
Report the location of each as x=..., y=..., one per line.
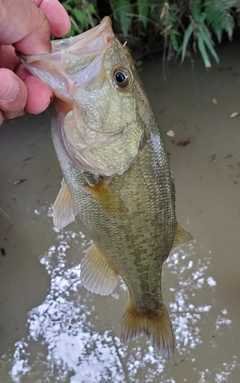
x=97, y=274
x=64, y=210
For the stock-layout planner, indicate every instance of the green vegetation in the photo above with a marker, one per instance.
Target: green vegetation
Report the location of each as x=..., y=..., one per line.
x=177, y=27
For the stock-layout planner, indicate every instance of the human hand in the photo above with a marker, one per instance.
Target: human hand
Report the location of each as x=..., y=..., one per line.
x=26, y=26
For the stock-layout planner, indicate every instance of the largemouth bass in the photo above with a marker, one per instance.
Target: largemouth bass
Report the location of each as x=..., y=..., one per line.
x=116, y=175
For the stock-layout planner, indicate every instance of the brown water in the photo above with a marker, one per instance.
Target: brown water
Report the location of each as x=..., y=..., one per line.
x=52, y=329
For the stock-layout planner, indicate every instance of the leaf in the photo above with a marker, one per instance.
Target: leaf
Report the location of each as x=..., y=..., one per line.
x=235, y=114
x=74, y=26
x=67, y=6
x=203, y=51
x=195, y=7
x=143, y=9
x=91, y=9
x=208, y=42
x=170, y=133
x=186, y=38
x=228, y=25
x=219, y=16
x=79, y=15
x=174, y=38
x=124, y=13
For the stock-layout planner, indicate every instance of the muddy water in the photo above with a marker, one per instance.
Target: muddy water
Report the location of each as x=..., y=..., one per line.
x=52, y=329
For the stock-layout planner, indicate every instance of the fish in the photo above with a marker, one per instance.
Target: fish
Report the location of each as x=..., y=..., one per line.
x=116, y=175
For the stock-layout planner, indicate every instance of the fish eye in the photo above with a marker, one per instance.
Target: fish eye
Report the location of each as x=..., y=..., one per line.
x=122, y=77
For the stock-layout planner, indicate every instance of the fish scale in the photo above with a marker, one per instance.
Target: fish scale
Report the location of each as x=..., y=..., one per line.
x=142, y=247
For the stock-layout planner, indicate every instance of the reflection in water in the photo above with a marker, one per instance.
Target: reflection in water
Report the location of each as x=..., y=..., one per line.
x=64, y=344
x=191, y=278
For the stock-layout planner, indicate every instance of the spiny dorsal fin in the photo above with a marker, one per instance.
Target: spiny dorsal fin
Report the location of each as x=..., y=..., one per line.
x=108, y=200
x=181, y=236
x=97, y=274
x=156, y=325
x=64, y=210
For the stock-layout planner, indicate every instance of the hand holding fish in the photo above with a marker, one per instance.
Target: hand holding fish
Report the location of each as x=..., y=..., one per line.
x=26, y=26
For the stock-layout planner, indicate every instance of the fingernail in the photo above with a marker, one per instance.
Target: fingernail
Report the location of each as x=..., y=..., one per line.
x=9, y=88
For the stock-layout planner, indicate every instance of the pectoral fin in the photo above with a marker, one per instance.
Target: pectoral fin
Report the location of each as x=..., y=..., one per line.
x=181, y=236
x=97, y=274
x=64, y=210
x=108, y=200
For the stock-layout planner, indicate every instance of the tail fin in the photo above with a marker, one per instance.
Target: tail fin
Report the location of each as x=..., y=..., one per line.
x=156, y=325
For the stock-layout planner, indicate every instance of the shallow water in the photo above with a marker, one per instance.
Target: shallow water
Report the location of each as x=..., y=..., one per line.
x=52, y=329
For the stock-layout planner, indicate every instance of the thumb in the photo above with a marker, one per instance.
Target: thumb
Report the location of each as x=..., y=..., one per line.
x=24, y=25
x=13, y=94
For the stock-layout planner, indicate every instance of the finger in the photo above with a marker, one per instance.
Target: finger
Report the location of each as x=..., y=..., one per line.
x=1, y=118
x=29, y=31
x=39, y=95
x=57, y=16
x=13, y=94
x=8, y=58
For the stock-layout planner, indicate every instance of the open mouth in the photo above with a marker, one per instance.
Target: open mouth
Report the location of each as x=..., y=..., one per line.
x=68, y=50
x=94, y=39
x=75, y=60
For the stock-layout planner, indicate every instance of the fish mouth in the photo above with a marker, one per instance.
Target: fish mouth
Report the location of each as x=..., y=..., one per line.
x=93, y=40
x=70, y=56
x=72, y=61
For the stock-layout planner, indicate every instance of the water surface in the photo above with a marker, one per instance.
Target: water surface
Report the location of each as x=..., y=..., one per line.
x=52, y=329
